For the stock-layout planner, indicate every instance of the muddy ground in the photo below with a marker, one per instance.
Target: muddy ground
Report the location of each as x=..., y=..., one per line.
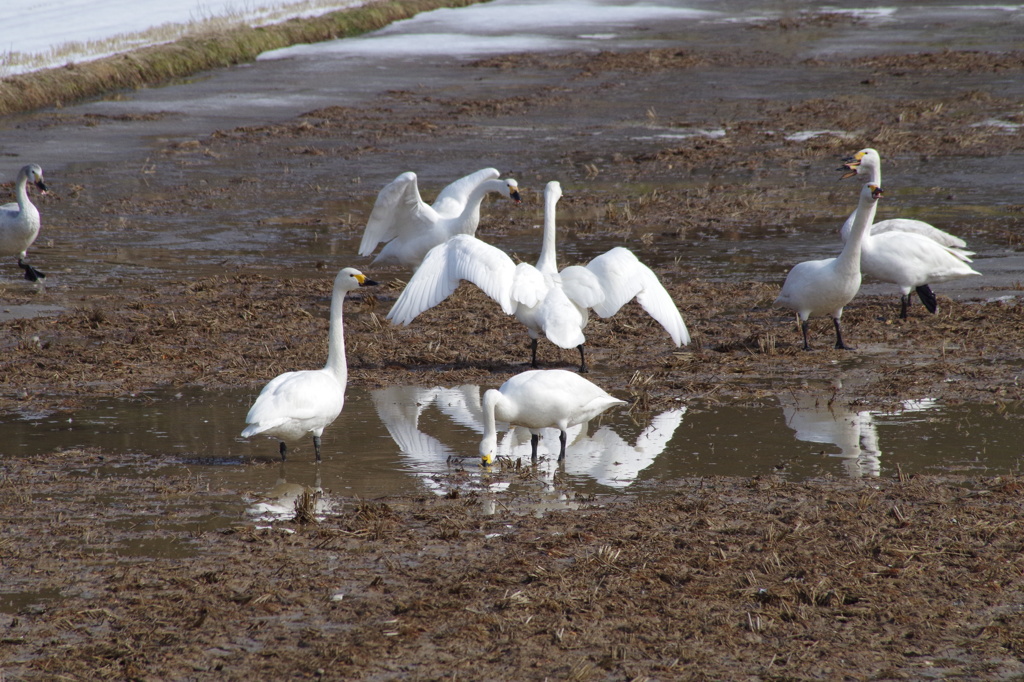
x=895, y=578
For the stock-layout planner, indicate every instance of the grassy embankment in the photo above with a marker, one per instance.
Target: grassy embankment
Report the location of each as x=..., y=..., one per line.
x=147, y=66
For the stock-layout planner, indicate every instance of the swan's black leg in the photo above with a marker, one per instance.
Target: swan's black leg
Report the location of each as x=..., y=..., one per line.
x=284, y=451
x=927, y=296
x=583, y=360
x=316, y=446
x=904, y=304
x=803, y=326
x=533, y=347
x=839, y=336
x=534, y=440
x=31, y=274
x=561, y=440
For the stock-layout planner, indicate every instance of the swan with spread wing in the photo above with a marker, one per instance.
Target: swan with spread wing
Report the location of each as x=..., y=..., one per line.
x=549, y=302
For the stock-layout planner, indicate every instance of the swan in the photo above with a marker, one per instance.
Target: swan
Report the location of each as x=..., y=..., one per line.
x=19, y=221
x=913, y=256
x=868, y=162
x=555, y=304
x=411, y=227
x=823, y=287
x=538, y=399
x=296, y=403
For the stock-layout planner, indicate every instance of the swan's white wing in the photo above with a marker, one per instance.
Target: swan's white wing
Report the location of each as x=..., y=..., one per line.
x=917, y=227
x=925, y=230
x=309, y=399
x=452, y=199
x=529, y=286
x=623, y=277
x=461, y=257
x=398, y=211
x=582, y=286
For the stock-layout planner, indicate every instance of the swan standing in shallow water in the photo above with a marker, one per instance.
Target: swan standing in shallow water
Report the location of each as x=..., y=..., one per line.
x=908, y=253
x=555, y=304
x=411, y=227
x=824, y=287
x=19, y=221
x=538, y=399
x=298, y=403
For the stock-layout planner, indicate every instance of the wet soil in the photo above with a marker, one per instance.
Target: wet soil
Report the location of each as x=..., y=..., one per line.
x=894, y=578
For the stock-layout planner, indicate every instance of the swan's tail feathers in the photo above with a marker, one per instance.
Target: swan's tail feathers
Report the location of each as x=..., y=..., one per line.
x=461, y=257
x=253, y=430
x=927, y=296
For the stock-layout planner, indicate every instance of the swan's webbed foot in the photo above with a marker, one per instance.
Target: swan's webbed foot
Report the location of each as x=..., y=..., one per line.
x=31, y=274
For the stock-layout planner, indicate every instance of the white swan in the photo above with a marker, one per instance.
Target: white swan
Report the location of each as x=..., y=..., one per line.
x=298, y=403
x=868, y=162
x=19, y=221
x=908, y=253
x=411, y=227
x=547, y=301
x=824, y=287
x=538, y=399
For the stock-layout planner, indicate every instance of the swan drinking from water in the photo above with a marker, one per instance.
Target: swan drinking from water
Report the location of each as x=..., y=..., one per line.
x=539, y=399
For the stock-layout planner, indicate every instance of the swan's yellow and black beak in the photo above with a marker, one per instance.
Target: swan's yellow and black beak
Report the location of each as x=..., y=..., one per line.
x=513, y=193
x=850, y=165
x=487, y=459
x=364, y=281
x=876, y=191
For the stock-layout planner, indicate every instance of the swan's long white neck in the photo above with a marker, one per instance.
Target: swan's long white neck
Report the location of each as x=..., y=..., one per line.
x=490, y=401
x=470, y=218
x=849, y=258
x=21, y=190
x=872, y=169
x=336, y=363
x=546, y=263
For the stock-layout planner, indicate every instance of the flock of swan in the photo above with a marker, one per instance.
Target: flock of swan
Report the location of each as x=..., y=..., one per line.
x=439, y=240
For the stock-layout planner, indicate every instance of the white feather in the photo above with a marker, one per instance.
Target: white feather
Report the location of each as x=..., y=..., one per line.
x=550, y=303
x=411, y=227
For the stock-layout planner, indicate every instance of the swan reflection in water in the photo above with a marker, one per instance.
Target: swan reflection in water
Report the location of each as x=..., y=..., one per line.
x=279, y=503
x=817, y=417
x=603, y=455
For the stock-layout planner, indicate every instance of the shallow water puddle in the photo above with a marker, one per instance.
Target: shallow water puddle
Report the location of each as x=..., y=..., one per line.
x=409, y=440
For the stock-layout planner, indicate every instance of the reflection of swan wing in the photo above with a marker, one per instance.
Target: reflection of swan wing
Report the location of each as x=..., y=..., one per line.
x=462, y=405
x=815, y=421
x=461, y=257
x=402, y=403
x=623, y=277
x=399, y=408
x=612, y=462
